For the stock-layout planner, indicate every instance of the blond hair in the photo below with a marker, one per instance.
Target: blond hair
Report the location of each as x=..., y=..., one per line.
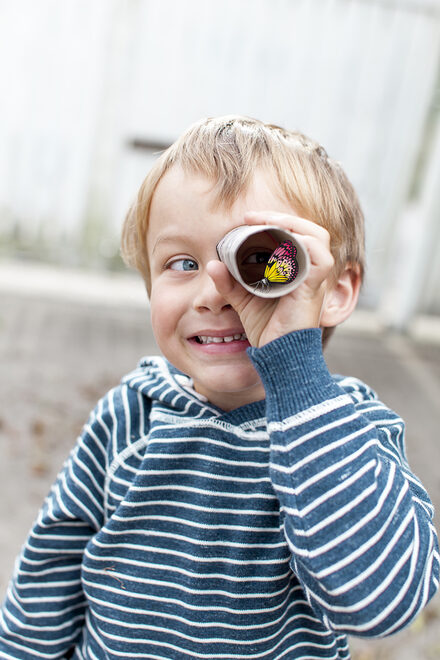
x=227, y=150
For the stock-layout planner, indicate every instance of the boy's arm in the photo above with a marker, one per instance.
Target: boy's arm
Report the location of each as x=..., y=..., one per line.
x=44, y=608
x=358, y=523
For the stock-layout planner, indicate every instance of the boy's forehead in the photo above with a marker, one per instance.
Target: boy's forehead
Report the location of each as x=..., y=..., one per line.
x=176, y=182
x=179, y=198
x=180, y=189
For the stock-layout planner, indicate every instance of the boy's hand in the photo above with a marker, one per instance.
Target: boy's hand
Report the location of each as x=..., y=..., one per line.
x=265, y=319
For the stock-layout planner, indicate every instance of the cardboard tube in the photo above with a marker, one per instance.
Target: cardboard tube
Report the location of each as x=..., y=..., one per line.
x=241, y=245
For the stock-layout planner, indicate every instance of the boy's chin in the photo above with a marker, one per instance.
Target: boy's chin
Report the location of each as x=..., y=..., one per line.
x=229, y=394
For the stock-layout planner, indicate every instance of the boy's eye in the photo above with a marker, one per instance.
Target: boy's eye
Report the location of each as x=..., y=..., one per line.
x=261, y=257
x=253, y=265
x=183, y=264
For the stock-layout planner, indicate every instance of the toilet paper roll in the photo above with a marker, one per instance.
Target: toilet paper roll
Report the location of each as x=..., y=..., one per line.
x=245, y=251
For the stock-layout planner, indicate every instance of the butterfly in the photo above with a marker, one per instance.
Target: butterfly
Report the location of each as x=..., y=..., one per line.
x=281, y=268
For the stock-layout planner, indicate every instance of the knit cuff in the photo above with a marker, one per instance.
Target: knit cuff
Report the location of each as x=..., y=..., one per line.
x=294, y=373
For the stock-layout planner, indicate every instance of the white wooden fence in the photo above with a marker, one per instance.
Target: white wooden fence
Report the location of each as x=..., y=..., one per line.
x=82, y=79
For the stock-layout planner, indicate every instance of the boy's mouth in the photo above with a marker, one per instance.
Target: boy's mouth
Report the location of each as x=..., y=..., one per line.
x=206, y=339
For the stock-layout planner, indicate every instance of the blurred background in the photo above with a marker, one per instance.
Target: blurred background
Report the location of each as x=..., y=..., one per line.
x=93, y=90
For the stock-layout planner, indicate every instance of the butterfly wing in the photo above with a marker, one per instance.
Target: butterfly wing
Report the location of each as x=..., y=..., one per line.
x=282, y=265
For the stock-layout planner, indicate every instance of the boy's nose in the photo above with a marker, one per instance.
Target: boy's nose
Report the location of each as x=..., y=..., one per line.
x=207, y=296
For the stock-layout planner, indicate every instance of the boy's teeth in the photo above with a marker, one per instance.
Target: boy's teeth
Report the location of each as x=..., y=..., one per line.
x=219, y=340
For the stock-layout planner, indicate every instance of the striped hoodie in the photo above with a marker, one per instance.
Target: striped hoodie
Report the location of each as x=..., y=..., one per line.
x=178, y=530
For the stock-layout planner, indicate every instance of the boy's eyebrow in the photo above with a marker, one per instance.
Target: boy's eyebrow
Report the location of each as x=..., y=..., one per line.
x=167, y=238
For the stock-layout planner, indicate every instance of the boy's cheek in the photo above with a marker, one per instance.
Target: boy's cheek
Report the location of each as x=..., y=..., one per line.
x=165, y=312
x=158, y=313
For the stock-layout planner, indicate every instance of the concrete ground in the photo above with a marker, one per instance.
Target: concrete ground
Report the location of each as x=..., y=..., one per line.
x=66, y=338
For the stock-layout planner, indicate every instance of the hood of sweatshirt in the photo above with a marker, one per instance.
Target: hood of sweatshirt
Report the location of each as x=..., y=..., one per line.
x=158, y=380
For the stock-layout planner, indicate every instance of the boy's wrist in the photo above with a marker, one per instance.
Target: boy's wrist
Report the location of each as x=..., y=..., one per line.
x=293, y=371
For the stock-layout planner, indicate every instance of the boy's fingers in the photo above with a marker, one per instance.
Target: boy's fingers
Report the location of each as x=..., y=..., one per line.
x=288, y=221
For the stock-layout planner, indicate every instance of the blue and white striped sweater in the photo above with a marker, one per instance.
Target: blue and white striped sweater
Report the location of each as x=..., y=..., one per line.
x=177, y=530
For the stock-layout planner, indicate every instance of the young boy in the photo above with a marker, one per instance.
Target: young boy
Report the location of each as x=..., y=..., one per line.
x=231, y=499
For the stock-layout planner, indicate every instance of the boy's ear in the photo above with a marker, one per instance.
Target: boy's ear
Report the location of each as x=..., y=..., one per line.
x=341, y=297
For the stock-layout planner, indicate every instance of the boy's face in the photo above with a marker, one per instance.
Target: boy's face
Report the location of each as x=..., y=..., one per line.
x=192, y=323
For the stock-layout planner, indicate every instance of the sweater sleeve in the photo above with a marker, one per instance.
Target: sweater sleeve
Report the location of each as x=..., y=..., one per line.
x=44, y=608
x=357, y=521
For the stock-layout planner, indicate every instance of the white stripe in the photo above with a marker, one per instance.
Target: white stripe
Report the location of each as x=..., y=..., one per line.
x=91, y=476
x=141, y=412
x=242, y=432
x=185, y=605
x=321, y=430
x=40, y=641
x=127, y=452
x=213, y=442
x=368, y=600
x=229, y=656
x=23, y=647
x=50, y=599
x=232, y=595
x=114, y=426
x=53, y=584
x=412, y=609
x=200, y=491
x=28, y=614
x=66, y=552
x=362, y=604
x=98, y=418
x=325, y=449
x=177, y=504
x=362, y=549
x=312, y=413
x=322, y=474
x=127, y=414
x=53, y=570
x=199, y=473
x=205, y=624
x=209, y=459
x=59, y=502
x=188, y=539
x=325, y=522
x=97, y=465
x=77, y=501
x=184, y=555
x=171, y=568
x=382, y=557
x=41, y=627
x=356, y=476
x=319, y=550
x=60, y=523
x=236, y=641
x=198, y=525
